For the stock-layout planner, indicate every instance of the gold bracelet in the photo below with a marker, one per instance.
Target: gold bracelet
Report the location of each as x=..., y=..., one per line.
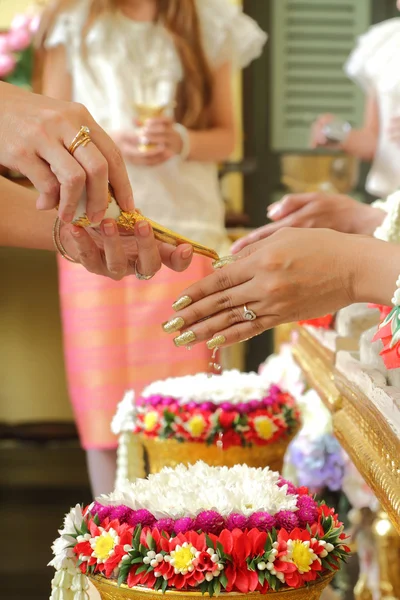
x=58, y=243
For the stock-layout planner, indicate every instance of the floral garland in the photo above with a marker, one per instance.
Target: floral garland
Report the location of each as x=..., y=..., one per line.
x=213, y=552
x=320, y=322
x=389, y=332
x=256, y=422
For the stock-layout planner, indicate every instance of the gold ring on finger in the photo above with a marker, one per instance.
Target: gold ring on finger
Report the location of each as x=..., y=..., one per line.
x=140, y=275
x=82, y=138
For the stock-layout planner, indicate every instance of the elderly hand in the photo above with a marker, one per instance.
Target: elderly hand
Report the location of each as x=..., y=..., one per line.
x=106, y=253
x=35, y=132
x=293, y=275
x=317, y=210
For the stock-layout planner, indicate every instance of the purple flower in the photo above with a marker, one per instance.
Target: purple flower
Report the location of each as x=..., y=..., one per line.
x=236, y=521
x=141, y=517
x=262, y=521
x=122, y=513
x=206, y=406
x=101, y=511
x=308, y=512
x=254, y=404
x=210, y=521
x=183, y=525
x=227, y=406
x=165, y=525
x=291, y=489
x=243, y=408
x=285, y=519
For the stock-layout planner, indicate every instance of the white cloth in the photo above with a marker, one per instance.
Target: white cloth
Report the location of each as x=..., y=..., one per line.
x=128, y=62
x=374, y=64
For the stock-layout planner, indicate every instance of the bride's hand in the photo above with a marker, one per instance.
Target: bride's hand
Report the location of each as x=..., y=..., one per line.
x=316, y=210
x=295, y=274
x=106, y=253
x=160, y=133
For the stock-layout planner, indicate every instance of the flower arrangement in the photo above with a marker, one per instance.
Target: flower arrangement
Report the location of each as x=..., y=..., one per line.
x=16, y=52
x=201, y=528
x=233, y=409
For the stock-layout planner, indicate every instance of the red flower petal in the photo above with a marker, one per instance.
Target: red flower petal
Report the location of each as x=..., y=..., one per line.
x=226, y=540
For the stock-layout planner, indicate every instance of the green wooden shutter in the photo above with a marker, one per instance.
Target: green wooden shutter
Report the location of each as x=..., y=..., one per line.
x=310, y=42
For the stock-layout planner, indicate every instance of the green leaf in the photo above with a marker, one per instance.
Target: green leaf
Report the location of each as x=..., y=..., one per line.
x=223, y=580
x=136, y=536
x=143, y=550
x=261, y=577
x=217, y=587
x=164, y=585
x=211, y=589
x=141, y=569
x=158, y=583
x=220, y=549
x=210, y=543
x=137, y=560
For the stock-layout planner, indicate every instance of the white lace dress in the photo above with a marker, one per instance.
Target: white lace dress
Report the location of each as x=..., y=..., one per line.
x=374, y=64
x=122, y=56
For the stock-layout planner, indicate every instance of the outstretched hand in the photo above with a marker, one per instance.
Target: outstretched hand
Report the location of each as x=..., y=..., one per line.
x=316, y=210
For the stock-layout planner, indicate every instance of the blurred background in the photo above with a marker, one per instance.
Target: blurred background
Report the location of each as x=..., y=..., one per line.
x=299, y=75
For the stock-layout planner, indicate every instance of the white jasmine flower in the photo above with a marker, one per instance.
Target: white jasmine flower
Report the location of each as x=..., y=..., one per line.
x=124, y=419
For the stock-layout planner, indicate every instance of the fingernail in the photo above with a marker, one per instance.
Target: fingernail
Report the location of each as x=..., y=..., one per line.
x=41, y=203
x=223, y=261
x=187, y=253
x=173, y=325
x=184, y=339
x=97, y=217
x=76, y=231
x=274, y=211
x=216, y=342
x=67, y=217
x=144, y=228
x=109, y=228
x=182, y=303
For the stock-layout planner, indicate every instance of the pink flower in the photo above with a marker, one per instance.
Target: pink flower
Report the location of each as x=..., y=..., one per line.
x=7, y=64
x=19, y=39
x=4, y=45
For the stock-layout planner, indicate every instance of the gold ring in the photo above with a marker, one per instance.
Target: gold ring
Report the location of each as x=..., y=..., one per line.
x=81, y=139
x=58, y=243
x=248, y=314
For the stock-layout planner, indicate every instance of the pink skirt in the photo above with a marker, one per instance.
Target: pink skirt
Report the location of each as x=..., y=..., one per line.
x=113, y=341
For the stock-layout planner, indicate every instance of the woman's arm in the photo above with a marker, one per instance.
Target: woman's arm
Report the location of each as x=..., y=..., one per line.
x=361, y=142
x=56, y=79
x=296, y=274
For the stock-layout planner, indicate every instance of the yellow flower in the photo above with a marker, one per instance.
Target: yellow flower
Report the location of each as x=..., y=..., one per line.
x=196, y=425
x=150, y=420
x=301, y=554
x=182, y=558
x=104, y=544
x=264, y=427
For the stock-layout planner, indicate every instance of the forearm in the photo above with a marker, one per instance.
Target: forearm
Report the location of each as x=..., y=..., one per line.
x=378, y=268
x=361, y=143
x=211, y=145
x=21, y=225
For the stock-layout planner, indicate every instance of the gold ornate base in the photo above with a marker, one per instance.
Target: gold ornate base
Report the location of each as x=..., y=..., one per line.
x=109, y=590
x=170, y=453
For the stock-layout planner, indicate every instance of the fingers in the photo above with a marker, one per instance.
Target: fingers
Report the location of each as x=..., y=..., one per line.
x=117, y=173
x=148, y=261
x=178, y=259
x=95, y=167
x=215, y=312
x=223, y=279
x=88, y=254
x=70, y=176
x=289, y=204
x=44, y=181
x=116, y=259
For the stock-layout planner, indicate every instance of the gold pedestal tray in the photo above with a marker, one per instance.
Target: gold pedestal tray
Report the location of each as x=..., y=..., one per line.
x=170, y=453
x=109, y=590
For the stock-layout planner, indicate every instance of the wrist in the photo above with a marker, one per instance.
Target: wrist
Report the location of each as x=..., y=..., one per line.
x=375, y=271
x=368, y=219
x=184, y=138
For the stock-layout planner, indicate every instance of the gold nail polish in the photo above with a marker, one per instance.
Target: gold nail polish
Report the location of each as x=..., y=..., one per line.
x=182, y=303
x=225, y=260
x=216, y=341
x=184, y=339
x=173, y=325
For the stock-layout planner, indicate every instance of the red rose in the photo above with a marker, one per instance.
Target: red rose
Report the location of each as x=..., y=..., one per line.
x=226, y=419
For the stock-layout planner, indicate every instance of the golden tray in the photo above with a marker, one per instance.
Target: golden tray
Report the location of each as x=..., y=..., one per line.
x=170, y=453
x=109, y=590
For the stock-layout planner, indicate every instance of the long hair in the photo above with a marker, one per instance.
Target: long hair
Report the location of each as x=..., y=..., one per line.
x=181, y=20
